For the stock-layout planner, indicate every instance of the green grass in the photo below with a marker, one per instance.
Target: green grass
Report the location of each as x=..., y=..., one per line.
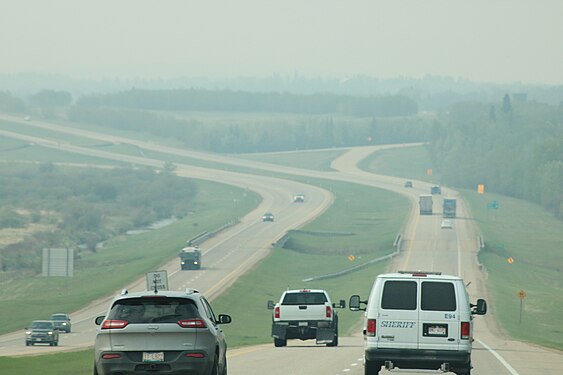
x=125, y=258
x=532, y=237
x=317, y=160
x=409, y=162
x=72, y=363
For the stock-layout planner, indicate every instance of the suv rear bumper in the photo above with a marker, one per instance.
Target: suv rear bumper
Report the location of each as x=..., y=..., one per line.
x=421, y=359
x=176, y=363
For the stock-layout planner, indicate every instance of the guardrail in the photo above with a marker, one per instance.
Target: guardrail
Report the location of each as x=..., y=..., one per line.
x=396, y=244
x=207, y=235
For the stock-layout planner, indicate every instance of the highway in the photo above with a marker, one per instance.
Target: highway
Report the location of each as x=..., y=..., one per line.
x=425, y=246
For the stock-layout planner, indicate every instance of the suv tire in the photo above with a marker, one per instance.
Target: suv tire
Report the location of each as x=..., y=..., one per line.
x=279, y=343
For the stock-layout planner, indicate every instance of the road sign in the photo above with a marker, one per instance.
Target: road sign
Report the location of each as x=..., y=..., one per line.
x=481, y=188
x=510, y=260
x=429, y=172
x=58, y=262
x=521, y=294
x=351, y=258
x=157, y=280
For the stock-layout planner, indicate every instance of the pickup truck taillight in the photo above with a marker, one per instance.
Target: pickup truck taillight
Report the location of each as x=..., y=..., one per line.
x=371, y=327
x=328, y=312
x=465, y=330
x=114, y=324
x=277, y=312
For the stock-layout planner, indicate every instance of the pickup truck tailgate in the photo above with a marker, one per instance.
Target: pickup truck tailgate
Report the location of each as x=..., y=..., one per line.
x=304, y=306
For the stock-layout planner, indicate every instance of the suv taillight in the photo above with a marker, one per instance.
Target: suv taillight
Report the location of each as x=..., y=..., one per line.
x=328, y=312
x=114, y=324
x=465, y=330
x=111, y=356
x=277, y=312
x=370, y=331
x=192, y=323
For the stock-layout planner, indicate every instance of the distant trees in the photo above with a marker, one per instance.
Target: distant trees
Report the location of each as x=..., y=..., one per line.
x=47, y=101
x=241, y=101
x=313, y=121
x=50, y=99
x=9, y=103
x=520, y=155
x=83, y=207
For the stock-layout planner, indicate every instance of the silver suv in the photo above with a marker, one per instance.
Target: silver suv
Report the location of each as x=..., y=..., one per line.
x=164, y=331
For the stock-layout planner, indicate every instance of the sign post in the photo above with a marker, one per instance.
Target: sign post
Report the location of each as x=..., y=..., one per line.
x=521, y=294
x=157, y=280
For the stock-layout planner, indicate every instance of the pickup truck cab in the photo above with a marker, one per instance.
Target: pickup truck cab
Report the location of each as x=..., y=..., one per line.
x=305, y=314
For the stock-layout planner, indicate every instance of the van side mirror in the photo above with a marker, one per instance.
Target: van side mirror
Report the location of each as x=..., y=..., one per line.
x=480, y=308
x=271, y=305
x=355, y=303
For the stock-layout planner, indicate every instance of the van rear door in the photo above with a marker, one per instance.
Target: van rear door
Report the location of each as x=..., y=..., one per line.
x=397, y=320
x=439, y=316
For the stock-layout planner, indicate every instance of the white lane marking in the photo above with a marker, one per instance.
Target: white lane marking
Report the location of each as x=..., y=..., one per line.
x=500, y=359
x=354, y=364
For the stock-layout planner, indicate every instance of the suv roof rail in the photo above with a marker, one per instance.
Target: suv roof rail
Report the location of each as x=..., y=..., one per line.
x=421, y=272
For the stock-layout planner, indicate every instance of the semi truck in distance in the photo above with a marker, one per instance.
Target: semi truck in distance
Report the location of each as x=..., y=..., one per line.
x=190, y=258
x=425, y=203
x=449, y=207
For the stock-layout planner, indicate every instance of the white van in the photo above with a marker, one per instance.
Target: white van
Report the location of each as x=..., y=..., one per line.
x=418, y=320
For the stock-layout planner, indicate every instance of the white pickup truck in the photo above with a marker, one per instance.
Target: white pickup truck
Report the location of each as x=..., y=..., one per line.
x=305, y=314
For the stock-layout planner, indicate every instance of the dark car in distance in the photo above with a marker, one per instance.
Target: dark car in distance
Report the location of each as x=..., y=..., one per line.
x=62, y=322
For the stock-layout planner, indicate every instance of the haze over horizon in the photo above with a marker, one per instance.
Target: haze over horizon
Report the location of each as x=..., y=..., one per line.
x=500, y=41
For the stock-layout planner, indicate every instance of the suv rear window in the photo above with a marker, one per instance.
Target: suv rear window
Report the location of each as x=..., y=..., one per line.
x=399, y=295
x=305, y=298
x=154, y=310
x=438, y=296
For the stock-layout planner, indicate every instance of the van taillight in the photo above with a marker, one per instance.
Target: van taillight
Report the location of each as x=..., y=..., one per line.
x=192, y=323
x=114, y=324
x=277, y=312
x=370, y=331
x=465, y=330
x=328, y=312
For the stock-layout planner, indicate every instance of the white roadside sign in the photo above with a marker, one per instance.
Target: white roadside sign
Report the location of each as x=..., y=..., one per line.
x=157, y=280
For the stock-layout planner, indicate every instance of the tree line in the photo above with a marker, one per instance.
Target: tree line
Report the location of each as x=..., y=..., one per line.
x=514, y=149
x=245, y=101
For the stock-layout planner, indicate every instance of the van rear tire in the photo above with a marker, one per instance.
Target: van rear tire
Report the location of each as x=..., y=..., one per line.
x=463, y=370
x=279, y=343
x=372, y=368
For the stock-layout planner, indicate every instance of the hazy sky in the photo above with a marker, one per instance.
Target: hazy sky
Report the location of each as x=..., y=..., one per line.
x=482, y=40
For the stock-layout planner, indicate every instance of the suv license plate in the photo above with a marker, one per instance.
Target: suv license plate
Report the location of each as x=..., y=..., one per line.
x=153, y=356
x=303, y=324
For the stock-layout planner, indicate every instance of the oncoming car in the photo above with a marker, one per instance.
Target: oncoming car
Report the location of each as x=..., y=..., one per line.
x=447, y=224
x=166, y=331
x=62, y=322
x=42, y=332
x=268, y=216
